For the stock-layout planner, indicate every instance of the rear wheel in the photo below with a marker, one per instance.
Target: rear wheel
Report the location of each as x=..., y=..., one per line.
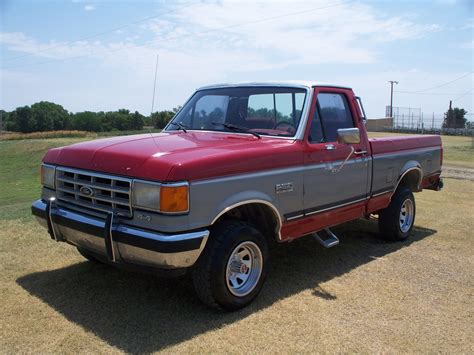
x=396, y=221
x=231, y=270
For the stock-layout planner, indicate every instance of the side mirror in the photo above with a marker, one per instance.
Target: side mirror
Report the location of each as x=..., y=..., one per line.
x=348, y=135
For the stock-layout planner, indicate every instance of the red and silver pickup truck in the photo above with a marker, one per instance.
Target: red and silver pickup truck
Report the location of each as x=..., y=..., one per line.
x=238, y=168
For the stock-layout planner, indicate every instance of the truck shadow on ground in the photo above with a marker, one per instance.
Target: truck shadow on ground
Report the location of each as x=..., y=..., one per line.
x=140, y=313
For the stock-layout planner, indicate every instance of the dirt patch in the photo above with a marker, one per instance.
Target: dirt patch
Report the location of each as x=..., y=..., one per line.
x=458, y=173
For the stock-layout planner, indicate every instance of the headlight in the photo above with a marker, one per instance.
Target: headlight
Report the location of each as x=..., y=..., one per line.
x=164, y=198
x=146, y=195
x=48, y=175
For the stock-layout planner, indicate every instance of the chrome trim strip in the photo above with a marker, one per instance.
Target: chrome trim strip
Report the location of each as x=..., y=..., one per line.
x=51, y=205
x=246, y=202
x=256, y=84
x=289, y=83
x=111, y=236
x=337, y=206
x=420, y=178
x=295, y=217
x=162, y=237
x=382, y=193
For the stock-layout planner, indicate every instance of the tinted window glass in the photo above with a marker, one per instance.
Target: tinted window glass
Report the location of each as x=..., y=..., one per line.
x=265, y=110
x=316, y=131
x=261, y=109
x=210, y=108
x=335, y=114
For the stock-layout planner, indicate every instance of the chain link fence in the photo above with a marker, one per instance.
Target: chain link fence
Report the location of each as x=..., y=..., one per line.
x=414, y=120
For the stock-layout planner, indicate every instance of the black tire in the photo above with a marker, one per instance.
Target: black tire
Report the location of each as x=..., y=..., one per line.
x=87, y=255
x=209, y=273
x=390, y=218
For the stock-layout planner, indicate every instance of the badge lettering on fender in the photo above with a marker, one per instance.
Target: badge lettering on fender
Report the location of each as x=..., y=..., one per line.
x=284, y=187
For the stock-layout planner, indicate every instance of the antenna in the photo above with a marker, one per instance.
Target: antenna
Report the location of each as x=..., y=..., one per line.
x=153, y=99
x=154, y=85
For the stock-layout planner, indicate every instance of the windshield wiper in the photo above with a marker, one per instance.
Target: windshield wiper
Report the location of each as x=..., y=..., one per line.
x=237, y=128
x=180, y=125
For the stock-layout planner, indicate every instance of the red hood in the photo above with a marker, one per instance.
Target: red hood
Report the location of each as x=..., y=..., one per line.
x=178, y=155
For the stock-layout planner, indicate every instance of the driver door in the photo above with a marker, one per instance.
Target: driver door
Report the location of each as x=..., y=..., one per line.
x=326, y=187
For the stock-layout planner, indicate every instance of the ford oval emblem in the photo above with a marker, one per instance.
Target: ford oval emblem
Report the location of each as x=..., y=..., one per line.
x=87, y=190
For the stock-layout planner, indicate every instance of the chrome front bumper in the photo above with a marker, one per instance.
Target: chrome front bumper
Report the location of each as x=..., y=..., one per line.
x=118, y=242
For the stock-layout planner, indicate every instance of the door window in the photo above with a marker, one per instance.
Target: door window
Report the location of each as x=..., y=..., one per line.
x=332, y=113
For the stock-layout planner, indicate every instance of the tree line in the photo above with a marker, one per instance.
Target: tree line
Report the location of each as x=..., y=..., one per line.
x=48, y=116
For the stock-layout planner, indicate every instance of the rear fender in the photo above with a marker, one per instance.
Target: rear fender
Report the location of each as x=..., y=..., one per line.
x=411, y=168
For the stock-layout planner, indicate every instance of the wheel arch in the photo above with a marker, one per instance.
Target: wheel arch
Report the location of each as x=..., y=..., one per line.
x=252, y=209
x=411, y=176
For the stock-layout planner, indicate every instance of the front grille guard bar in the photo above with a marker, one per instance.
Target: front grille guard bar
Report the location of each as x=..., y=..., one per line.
x=108, y=230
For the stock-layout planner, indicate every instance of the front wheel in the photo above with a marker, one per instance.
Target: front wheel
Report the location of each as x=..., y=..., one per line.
x=231, y=270
x=396, y=221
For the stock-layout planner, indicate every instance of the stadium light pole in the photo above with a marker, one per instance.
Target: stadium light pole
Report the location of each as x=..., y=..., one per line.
x=391, y=96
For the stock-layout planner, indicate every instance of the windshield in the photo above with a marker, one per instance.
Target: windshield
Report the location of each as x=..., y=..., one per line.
x=274, y=111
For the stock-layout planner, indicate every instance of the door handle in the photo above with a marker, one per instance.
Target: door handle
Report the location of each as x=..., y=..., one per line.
x=330, y=147
x=360, y=152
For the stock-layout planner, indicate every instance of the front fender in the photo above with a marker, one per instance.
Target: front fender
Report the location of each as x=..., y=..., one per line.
x=243, y=198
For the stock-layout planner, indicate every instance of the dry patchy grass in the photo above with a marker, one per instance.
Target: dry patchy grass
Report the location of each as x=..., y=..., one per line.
x=365, y=295
x=9, y=136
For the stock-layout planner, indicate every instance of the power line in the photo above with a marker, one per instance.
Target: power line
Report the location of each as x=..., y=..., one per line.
x=100, y=33
x=429, y=93
x=461, y=96
x=437, y=86
x=186, y=36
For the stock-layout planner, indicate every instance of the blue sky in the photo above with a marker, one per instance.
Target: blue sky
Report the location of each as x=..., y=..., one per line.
x=89, y=55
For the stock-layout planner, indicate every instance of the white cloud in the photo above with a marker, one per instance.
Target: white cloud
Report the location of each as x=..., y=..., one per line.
x=192, y=53
x=300, y=33
x=89, y=7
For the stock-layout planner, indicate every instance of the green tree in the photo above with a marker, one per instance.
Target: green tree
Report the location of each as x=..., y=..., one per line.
x=21, y=120
x=136, y=121
x=4, y=117
x=161, y=118
x=49, y=116
x=87, y=121
x=455, y=118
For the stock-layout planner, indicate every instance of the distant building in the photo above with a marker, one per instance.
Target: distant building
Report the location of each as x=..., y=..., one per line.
x=379, y=124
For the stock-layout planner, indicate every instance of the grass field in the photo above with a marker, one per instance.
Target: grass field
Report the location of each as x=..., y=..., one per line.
x=364, y=295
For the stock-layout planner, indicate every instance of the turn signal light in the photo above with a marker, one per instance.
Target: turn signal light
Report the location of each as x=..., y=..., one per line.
x=174, y=199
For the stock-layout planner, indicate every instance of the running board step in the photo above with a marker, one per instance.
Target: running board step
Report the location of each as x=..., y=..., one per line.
x=326, y=238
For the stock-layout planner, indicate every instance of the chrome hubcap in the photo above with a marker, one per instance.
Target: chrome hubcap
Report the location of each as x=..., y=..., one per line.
x=406, y=215
x=244, y=269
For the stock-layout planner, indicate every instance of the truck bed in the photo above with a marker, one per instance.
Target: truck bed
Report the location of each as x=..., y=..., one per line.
x=396, y=144
x=393, y=155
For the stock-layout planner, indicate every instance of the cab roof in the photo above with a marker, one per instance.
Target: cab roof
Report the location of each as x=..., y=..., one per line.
x=289, y=83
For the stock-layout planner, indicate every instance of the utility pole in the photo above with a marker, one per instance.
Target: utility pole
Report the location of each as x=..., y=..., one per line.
x=391, y=96
x=154, y=85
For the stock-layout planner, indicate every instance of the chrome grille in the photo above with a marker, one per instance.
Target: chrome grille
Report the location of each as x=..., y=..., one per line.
x=93, y=190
